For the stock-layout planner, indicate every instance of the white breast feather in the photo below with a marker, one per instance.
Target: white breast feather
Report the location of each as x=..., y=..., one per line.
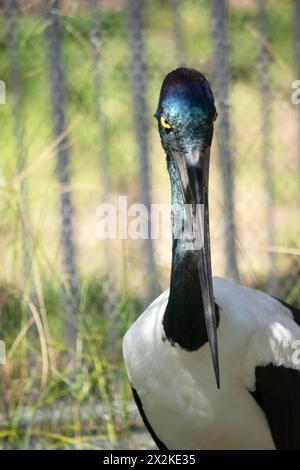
x=254, y=329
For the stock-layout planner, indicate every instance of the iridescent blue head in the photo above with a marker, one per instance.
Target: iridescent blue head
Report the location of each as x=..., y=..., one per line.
x=185, y=114
x=186, y=110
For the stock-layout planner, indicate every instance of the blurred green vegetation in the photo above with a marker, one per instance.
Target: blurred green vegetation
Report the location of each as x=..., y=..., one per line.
x=100, y=376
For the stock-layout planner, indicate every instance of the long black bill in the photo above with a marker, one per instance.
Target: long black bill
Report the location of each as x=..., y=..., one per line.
x=193, y=170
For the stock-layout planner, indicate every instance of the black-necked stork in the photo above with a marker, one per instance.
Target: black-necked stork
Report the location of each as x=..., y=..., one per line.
x=168, y=349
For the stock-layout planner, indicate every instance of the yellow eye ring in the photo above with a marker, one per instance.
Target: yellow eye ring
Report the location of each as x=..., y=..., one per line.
x=164, y=123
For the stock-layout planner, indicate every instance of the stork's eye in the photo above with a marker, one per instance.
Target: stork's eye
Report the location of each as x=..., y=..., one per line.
x=164, y=122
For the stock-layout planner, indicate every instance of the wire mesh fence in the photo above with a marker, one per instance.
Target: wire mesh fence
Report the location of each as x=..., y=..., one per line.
x=82, y=80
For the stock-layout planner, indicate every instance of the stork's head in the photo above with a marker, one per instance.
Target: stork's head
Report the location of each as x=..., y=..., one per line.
x=186, y=111
x=185, y=114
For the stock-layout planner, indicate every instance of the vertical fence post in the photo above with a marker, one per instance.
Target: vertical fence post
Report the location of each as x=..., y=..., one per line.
x=221, y=86
x=141, y=128
x=96, y=41
x=102, y=145
x=11, y=7
x=71, y=292
x=178, y=34
x=265, y=102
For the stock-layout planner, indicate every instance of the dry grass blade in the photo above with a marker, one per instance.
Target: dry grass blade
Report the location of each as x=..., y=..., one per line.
x=19, y=337
x=45, y=362
x=47, y=153
x=284, y=250
x=264, y=41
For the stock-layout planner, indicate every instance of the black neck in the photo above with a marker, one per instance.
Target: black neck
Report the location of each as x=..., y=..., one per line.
x=184, y=321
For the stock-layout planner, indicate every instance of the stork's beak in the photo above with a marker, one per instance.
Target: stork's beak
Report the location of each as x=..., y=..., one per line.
x=193, y=171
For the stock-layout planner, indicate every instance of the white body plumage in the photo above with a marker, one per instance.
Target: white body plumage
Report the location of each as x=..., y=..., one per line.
x=177, y=388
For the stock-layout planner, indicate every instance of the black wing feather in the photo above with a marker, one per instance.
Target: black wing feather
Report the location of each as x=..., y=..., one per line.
x=278, y=394
x=294, y=311
x=138, y=402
